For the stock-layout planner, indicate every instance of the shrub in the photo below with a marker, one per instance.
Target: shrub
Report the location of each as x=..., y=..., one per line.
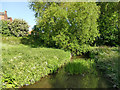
x=19, y=27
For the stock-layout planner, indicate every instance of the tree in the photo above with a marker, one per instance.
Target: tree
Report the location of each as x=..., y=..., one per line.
x=4, y=29
x=18, y=27
x=70, y=26
x=108, y=24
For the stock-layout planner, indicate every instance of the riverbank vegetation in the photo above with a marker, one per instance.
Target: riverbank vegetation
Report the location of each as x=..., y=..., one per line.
x=80, y=66
x=62, y=30
x=23, y=65
x=107, y=61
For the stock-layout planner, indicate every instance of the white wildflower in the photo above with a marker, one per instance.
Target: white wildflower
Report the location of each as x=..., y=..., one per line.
x=33, y=67
x=20, y=53
x=19, y=56
x=15, y=57
x=27, y=84
x=56, y=57
x=46, y=63
x=11, y=60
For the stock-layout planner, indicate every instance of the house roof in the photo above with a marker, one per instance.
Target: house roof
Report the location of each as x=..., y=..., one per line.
x=2, y=13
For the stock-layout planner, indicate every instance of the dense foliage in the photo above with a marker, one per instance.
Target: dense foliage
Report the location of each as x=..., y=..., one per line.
x=70, y=26
x=17, y=28
x=108, y=24
x=23, y=65
x=107, y=61
x=4, y=29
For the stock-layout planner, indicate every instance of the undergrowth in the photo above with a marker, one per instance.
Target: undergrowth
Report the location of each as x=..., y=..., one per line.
x=107, y=61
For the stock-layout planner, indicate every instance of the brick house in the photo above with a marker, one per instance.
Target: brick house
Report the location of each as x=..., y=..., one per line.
x=3, y=16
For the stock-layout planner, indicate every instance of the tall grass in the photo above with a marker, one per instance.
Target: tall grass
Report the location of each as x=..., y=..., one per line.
x=80, y=66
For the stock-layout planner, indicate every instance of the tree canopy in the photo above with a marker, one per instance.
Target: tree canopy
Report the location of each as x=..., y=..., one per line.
x=70, y=26
x=108, y=23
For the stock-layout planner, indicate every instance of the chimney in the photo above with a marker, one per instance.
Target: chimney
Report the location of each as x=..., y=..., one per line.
x=5, y=16
x=5, y=12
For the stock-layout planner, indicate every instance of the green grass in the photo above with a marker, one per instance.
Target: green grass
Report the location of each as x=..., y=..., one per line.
x=80, y=66
x=107, y=60
x=11, y=40
x=24, y=65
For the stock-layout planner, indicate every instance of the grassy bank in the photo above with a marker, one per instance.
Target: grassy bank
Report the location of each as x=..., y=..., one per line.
x=107, y=60
x=23, y=65
x=11, y=40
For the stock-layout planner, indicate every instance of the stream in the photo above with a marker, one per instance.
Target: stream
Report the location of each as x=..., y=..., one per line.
x=62, y=79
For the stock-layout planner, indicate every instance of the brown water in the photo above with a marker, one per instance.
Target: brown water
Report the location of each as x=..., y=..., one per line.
x=61, y=79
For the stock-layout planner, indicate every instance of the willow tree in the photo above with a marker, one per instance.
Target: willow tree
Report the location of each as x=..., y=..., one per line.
x=69, y=26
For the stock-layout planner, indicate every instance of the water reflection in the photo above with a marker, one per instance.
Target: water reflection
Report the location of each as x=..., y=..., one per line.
x=61, y=79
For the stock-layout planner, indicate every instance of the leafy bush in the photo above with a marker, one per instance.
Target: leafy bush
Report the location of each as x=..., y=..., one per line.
x=4, y=29
x=19, y=27
x=23, y=65
x=107, y=60
x=108, y=24
x=70, y=26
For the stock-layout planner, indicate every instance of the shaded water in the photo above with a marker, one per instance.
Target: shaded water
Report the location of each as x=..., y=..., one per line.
x=61, y=79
